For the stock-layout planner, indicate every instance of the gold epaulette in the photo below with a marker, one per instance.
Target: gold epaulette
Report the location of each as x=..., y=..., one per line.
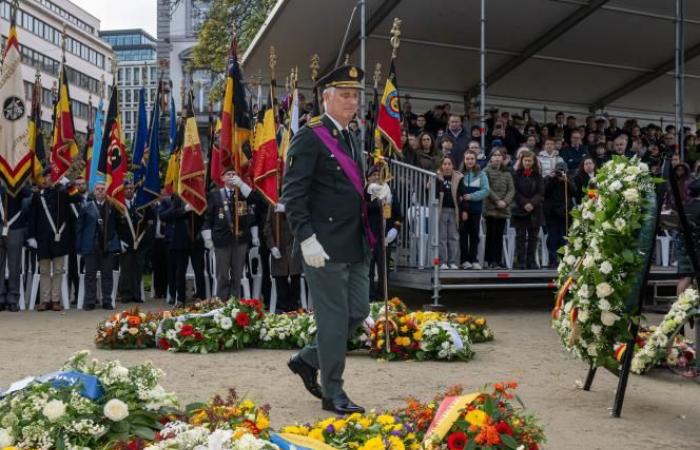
x=314, y=122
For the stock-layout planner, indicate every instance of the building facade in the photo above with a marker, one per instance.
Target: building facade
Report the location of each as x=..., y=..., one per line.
x=88, y=58
x=136, y=67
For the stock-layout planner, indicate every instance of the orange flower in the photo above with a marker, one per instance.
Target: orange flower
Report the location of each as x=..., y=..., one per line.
x=134, y=321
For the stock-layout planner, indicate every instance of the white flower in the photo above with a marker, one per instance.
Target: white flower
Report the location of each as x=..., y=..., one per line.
x=121, y=373
x=604, y=305
x=631, y=195
x=643, y=167
x=596, y=329
x=116, y=410
x=592, y=350
x=608, y=319
x=53, y=410
x=588, y=261
x=6, y=439
x=633, y=170
x=584, y=292
x=615, y=186
x=570, y=260
x=178, y=326
x=588, y=215
x=606, y=267
x=582, y=315
x=226, y=323
x=603, y=290
x=218, y=438
x=620, y=223
x=170, y=335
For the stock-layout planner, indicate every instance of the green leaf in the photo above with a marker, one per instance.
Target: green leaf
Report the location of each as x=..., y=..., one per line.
x=509, y=441
x=471, y=445
x=144, y=432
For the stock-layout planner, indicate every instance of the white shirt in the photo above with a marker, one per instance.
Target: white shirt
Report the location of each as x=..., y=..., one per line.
x=341, y=129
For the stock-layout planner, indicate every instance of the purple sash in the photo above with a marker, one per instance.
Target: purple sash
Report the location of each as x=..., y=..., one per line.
x=350, y=169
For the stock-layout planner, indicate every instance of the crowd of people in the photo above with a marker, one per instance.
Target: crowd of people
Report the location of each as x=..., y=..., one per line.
x=529, y=174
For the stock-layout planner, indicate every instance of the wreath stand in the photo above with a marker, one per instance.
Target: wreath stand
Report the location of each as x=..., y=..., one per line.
x=636, y=301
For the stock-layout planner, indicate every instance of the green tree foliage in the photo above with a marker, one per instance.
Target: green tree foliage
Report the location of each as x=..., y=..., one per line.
x=211, y=51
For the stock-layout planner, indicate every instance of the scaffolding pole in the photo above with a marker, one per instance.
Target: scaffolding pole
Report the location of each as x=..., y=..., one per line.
x=482, y=75
x=363, y=44
x=680, y=79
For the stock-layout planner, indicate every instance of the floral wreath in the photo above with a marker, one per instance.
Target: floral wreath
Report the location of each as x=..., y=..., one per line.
x=656, y=347
x=590, y=313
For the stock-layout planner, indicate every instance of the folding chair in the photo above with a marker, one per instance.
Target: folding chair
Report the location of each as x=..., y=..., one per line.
x=257, y=275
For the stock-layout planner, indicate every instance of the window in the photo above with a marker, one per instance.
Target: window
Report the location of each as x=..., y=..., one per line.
x=127, y=98
x=154, y=76
x=137, y=79
x=127, y=78
x=120, y=75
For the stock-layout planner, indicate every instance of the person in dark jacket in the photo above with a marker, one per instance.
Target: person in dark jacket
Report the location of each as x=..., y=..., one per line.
x=527, y=215
x=97, y=241
x=497, y=207
x=692, y=212
x=13, y=219
x=164, y=206
x=559, y=196
x=286, y=266
x=392, y=217
x=449, y=190
x=136, y=235
x=229, y=229
x=50, y=234
x=584, y=174
x=574, y=153
x=476, y=186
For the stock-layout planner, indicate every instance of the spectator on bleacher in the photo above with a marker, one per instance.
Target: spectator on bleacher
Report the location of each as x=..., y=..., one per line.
x=477, y=188
x=436, y=118
x=683, y=179
x=559, y=194
x=497, y=207
x=526, y=212
x=584, y=174
x=449, y=190
x=574, y=153
x=620, y=146
x=692, y=212
x=475, y=133
x=407, y=114
x=652, y=157
x=548, y=157
x=600, y=154
x=446, y=144
x=570, y=128
x=475, y=146
x=411, y=149
x=497, y=134
x=612, y=131
x=461, y=137
x=427, y=156
x=559, y=122
x=531, y=143
x=692, y=151
x=419, y=127
x=514, y=134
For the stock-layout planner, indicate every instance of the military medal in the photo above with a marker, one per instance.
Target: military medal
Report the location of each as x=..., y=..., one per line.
x=221, y=213
x=5, y=230
x=241, y=208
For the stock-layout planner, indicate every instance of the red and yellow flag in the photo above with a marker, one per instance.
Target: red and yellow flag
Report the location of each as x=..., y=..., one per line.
x=15, y=155
x=266, y=157
x=235, y=120
x=191, y=181
x=113, y=160
x=64, y=149
x=389, y=117
x=220, y=160
x=36, y=137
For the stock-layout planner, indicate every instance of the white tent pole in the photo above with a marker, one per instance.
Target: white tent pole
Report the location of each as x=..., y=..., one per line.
x=482, y=82
x=363, y=56
x=680, y=69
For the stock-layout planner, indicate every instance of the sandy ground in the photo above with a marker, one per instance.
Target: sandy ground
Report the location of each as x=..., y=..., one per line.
x=660, y=411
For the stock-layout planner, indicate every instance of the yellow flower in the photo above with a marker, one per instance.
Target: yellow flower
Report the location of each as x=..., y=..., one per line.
x=133, y=331
x=354, y=417
x=364, y=423
x=324, y=423
x=380, y=343
x=339, y=425
x=198, y=418
x=415, y=446
x=418, y=335
x=300, y=430
x=396, y=444
x=247, y=404
x=404, y=329
x=375, y=443
x=477, y=417
x=385, y=419
x=480, y=321
x=317, y=434
x=262, y=421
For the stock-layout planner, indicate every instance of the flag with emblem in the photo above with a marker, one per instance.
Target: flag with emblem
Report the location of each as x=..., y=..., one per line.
x=235, y=119
x=265, y=156
x=15, y=155
x=219, y=158
x=148, y=190
x=175, y=134
x=93, y=175
x=389, y=116
x=113, y=161
x=64, y=148
x=36, y=137
x=140, y=140
x=191, y=181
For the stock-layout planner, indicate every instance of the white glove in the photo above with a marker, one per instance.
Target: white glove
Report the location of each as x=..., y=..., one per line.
x=188, y=207
x=255, y=240
x=391, y=236
x=31, y=242
x=125, y=246
x=313, y=252
x=64, y=181
x=276, y=253
x=279, y=208
x=240, y=184
x=379, y=191
x=208, y=242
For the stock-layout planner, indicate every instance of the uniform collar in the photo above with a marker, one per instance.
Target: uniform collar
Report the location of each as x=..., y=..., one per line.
x=336, y=123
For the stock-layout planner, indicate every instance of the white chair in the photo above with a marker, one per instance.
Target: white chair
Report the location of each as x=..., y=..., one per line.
x=510, y=238
x=481, y=248
x=663, y=249
x=245, y=283
x=254, y=254
x=273, y=291
x=542, y=246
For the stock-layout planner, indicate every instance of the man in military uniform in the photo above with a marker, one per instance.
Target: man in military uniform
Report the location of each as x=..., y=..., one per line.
x=324, y=201
x=229, y=228
x=13, y=219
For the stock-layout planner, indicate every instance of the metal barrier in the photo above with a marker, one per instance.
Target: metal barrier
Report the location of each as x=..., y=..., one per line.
x=414, y=189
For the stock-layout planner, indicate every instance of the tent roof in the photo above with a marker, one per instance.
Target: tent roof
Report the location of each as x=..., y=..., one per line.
x=599, y=55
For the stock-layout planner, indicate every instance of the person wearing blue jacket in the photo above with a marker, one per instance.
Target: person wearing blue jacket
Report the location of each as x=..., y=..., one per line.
x=471, y=204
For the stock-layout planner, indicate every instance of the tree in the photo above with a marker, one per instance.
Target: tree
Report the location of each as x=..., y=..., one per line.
x=211, y=51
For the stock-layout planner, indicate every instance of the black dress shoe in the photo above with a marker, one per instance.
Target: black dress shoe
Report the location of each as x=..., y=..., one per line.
x=137, y=300
x=108, y=306
x=3, y=307
x=308, y=375
x=123, y=300
x=88, y=307
x=13, y=308
x=341, y=405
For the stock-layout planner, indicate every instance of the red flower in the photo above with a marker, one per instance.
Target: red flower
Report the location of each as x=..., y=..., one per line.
x=164, y=344
x=457, y=441
x=134, y=445
x=534, y=446
x=242, y=319
x=187, y=330
x=198, y=336
x=504, y=428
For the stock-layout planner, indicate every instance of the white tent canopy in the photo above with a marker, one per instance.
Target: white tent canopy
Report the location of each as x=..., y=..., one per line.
x=613, y=56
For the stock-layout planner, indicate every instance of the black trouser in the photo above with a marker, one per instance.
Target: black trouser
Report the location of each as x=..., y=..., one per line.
x=160, y=268
x=182, y=258
x=104, y=263
x=469, y=238
x=131, y=264
x=197, y=259
x=171, y=267
x=526, y=245
x=556, y=229
x=376, y=288
x=288, y=292
x=73, y=274
x=494, y=240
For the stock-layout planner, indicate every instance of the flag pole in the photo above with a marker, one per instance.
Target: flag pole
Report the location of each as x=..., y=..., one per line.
x=273, y=65
x=314, y=66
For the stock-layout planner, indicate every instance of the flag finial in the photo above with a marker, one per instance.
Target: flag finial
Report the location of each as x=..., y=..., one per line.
x=377, y=74
x=395, y=36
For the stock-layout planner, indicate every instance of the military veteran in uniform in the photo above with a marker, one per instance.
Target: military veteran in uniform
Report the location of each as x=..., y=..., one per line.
x=323, y=194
